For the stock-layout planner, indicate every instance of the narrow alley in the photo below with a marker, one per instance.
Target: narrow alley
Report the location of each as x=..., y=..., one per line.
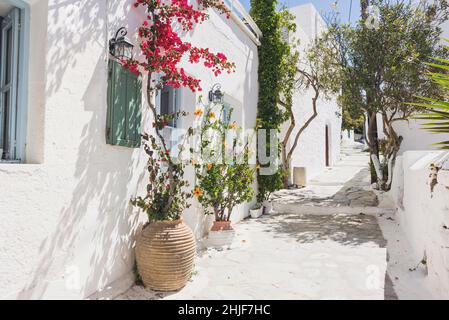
x=322, y=242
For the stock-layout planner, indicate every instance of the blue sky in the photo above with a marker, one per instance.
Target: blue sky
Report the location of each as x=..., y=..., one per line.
x=324, y=6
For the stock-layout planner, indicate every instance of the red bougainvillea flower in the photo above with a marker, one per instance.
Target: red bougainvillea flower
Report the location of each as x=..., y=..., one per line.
x=163, y=49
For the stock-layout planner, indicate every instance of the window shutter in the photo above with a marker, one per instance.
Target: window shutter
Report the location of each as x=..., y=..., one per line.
x=226, y=111
x=124, y=107
x=134, y=115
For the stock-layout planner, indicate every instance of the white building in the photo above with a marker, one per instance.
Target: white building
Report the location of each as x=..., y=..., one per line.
x=67, y=227
x=319, y=145
x=421, y=197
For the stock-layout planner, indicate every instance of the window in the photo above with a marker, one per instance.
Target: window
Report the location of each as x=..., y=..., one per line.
x=11, y=102
x=226, y=112
x=124, y=107
x=168, y=102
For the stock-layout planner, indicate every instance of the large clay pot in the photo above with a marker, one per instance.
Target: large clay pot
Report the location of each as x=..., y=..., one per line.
x=221, y=235
x=165, y=251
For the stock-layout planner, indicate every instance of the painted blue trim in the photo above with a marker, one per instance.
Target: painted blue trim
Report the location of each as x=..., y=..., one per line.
x=22, y=114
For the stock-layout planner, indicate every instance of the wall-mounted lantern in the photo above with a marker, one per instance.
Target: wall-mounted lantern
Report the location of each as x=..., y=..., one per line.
x=120, y=47
x=215, y=94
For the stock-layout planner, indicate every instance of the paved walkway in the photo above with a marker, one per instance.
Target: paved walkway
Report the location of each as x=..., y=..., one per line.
x=296, y=254
x=344, y=188
x=291, y=257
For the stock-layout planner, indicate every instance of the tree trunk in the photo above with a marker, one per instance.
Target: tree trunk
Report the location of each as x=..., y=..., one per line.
x=286, y=166
x=372, y=136
x=216, y=213
x=373, y=143
x=363, y=8
x=393, y=146
x=286, y=162
x=287, y=156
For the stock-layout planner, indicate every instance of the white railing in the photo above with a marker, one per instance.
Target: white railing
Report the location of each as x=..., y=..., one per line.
x=244, y=20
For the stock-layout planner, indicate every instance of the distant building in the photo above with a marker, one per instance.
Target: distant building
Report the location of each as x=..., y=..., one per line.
x=319, y=145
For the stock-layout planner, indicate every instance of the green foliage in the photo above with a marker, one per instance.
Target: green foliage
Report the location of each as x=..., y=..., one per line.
x=437, y=110
x=269, y=184
x=270, y=59
x=277, y=71
x=164, y=200
x=289, y=62
x=225, y=178
x=379, y=68
x=257, y=206
x=352, y=122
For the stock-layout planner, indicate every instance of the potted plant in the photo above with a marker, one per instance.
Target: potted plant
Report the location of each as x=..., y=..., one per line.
x=224, y=177
x=267, y=185
x=256, y=211
x=165, y=248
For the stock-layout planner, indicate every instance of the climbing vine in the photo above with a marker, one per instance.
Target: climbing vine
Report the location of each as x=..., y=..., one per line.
x=274, y=68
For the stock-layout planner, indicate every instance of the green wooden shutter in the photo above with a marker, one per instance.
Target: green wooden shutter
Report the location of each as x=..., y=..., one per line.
x=133, y=115
x=124, y=107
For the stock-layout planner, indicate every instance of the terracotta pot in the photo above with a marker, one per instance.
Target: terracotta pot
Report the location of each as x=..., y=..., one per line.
x=165, y=251
x=221, y=235
x=221, y=225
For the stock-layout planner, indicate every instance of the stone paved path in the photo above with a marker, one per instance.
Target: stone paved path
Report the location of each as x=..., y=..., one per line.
x=291, y=257
x=344, y=188
x=298, y=255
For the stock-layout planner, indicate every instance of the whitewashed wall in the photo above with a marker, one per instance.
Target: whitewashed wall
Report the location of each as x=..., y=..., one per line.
x=67, y=227
x=424, y=216
x=311, y=150
x=415, y=138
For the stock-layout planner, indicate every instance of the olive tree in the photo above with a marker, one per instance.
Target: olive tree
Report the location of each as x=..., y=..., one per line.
x=380, y=68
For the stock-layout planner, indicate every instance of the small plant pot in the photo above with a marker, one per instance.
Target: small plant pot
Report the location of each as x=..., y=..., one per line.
x=267, y=207
x=165, y=251
x=221, y=235
x=256, y=213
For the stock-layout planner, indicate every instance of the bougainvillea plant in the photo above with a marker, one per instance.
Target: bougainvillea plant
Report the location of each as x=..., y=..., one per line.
x=162, y=51
x=167, y=194
x=224, y=177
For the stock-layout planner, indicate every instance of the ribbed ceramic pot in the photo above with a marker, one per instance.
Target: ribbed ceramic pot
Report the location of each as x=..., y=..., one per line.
x=165, y=251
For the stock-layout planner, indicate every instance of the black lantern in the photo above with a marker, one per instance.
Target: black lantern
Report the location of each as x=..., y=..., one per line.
x=215, y=94
x=120, y=47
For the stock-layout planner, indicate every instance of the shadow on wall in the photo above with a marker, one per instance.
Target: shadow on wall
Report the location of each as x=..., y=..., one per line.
x=93, y=238
x=89, y=27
